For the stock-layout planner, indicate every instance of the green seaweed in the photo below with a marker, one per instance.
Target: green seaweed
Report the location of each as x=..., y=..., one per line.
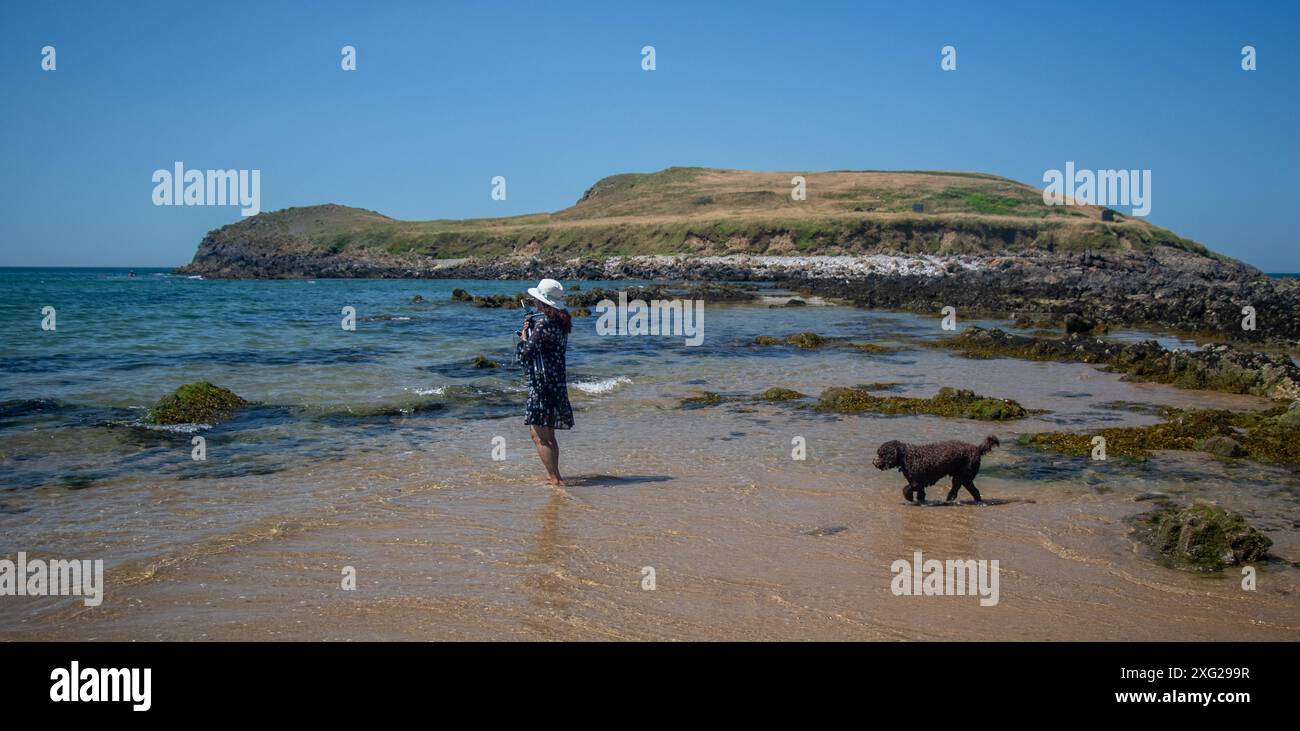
x=195, y=403
x=705, y=398
x=953, y=402
x=1202, y=537
x=1264, y=436
x=873, y=348
x=776, y=393
x=805, y=340
x=1213, y=368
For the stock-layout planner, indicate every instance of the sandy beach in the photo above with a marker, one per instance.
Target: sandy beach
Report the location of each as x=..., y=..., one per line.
x=745, y=543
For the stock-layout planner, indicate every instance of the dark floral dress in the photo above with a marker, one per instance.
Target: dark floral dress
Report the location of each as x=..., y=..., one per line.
x=542, y=357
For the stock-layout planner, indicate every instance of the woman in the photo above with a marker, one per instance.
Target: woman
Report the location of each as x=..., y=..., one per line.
x=542, y=342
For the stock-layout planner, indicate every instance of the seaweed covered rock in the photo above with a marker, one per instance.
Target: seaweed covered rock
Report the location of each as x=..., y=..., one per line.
x=195, y=403
x=948, y=402
x=1219, y=368
x=1183, y=430
x=873, y=348
x=1076, y=323
x=1202, y=537
x=1264, y=436
x=805, y=340
x=705, y=398
x=1213, y=367
x=1222, y=446
x=1290, y=417
x=776, y=393
x=483, y=362
x=502, y=301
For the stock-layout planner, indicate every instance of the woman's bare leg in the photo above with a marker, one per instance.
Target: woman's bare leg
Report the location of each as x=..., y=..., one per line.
x=549, y=450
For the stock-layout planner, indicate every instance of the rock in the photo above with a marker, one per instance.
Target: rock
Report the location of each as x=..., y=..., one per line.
x=1290, y=417
x=195, y=403
x=1031, y=322
x=777, y=393
x=766, y=340
x=829, y=530
x=417, y=299
x=1222, y=446
x=795, y=302
x=968, y=404
x=483, y=362
x=948, y=402
x=1203, y=537
x=1075, y=323
x=805, y=340
x=503, y=301
x=872, y=348
x=1214, y=367
x=1254, y=434
x=580, y=312
x=705, y=398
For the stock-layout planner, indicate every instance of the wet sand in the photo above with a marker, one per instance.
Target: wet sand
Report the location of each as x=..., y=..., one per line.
x=728, y=522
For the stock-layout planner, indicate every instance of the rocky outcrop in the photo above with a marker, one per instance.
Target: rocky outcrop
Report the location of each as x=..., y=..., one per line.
x=1271, y=435
x=948, y=402
x=195, y=403
x=1202, y=537
x=1162, y=287
x=1213, y=367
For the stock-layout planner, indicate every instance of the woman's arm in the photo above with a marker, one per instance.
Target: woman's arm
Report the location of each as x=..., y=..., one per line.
x=531, y=337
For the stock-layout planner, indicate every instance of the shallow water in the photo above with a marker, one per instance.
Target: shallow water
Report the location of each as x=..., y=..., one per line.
x=373, y=449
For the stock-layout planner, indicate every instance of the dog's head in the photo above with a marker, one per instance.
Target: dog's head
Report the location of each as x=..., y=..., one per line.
x=889, y=456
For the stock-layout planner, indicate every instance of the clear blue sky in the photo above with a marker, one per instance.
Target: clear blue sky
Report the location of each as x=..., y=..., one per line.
x=552, y=96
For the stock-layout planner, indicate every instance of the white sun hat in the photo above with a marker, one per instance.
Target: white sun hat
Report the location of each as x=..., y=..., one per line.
x=549, y=291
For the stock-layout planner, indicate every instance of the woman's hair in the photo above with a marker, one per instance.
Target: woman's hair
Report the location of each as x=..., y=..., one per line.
x=560, y=316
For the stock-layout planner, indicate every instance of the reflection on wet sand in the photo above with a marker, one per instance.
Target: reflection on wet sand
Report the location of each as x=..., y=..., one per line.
x=549, y=590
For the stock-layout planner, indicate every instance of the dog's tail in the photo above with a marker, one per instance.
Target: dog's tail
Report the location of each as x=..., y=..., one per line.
x=988, y=444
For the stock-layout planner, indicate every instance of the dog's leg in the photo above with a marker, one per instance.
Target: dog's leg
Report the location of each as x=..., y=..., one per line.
x=956, y=485
x=970, y=485
x=907, y=493
x=920, y=496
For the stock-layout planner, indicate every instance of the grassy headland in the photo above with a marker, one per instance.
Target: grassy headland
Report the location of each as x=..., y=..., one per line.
x=705, y=211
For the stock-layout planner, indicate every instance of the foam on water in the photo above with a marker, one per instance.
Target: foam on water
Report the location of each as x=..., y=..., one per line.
x=603, y=386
